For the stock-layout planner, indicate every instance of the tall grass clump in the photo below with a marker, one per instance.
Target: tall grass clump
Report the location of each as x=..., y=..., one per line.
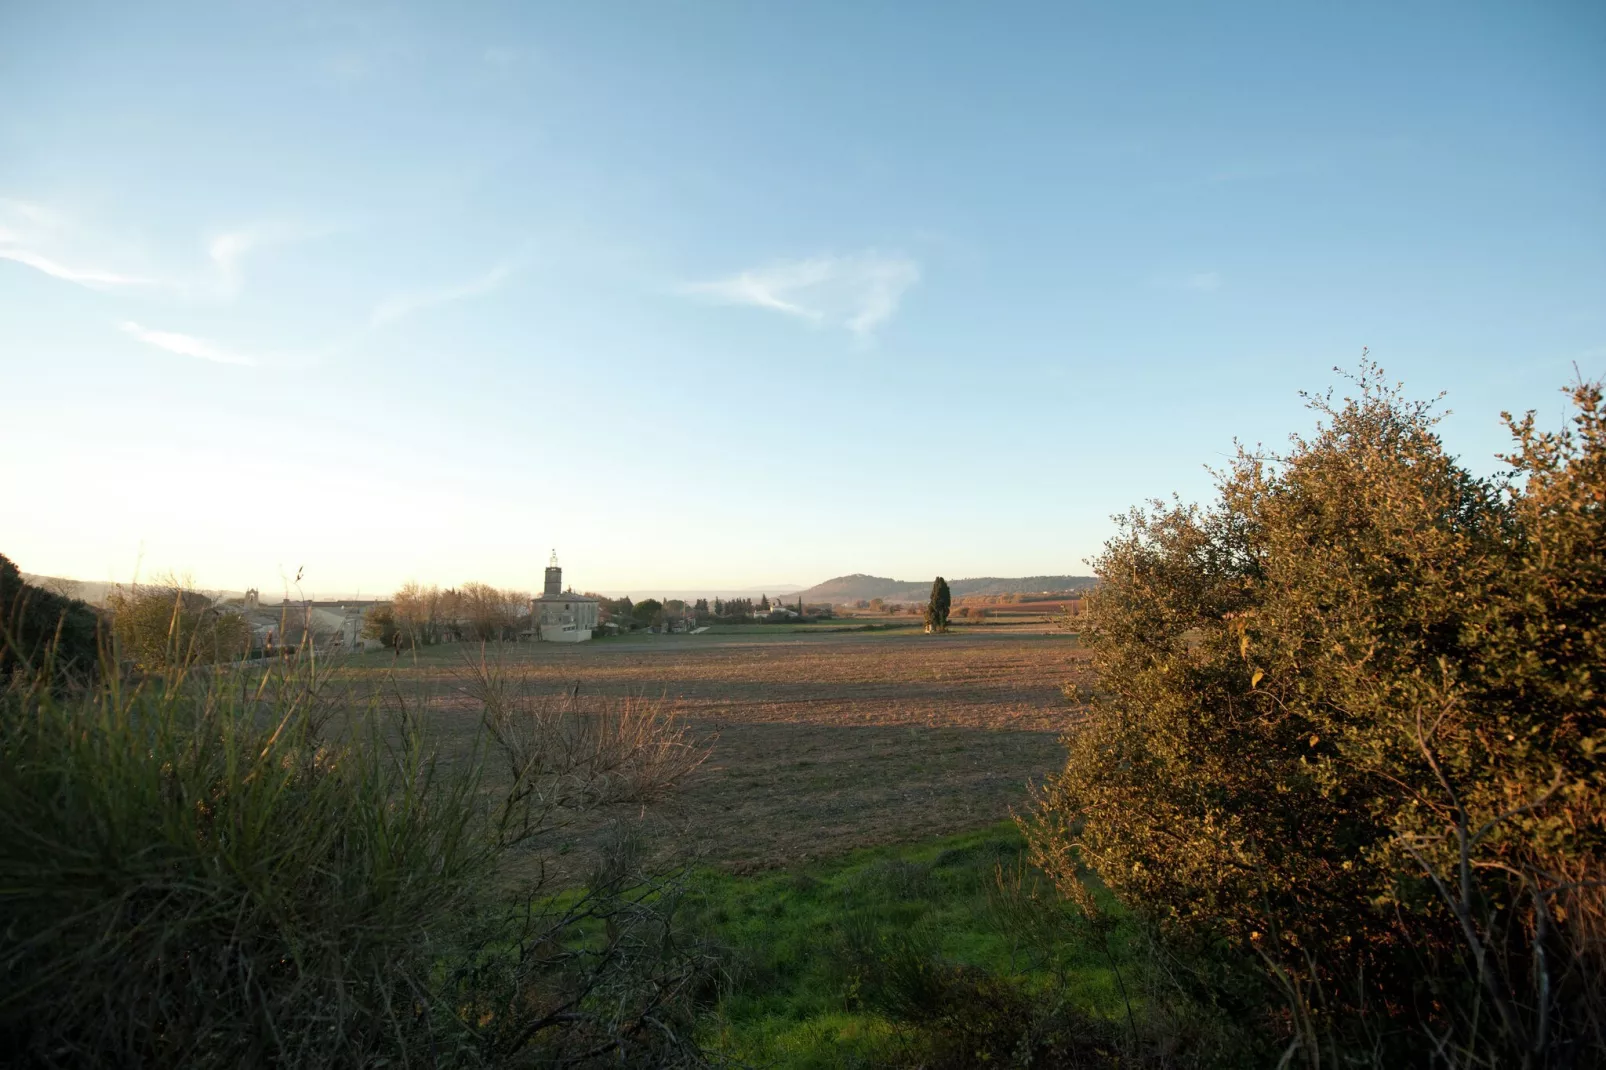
x=1346, y=724
x=256, y=867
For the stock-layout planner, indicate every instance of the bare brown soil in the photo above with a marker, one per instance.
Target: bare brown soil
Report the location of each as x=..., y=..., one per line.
x=820, y=743
x=1052, y=608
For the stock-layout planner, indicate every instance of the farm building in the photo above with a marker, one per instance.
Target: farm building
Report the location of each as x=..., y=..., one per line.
x=561, y=616
x=327, y=626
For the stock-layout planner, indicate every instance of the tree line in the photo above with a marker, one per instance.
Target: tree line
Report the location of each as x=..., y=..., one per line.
x=423, y=615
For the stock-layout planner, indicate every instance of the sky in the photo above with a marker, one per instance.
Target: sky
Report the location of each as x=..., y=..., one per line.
x=731, y=295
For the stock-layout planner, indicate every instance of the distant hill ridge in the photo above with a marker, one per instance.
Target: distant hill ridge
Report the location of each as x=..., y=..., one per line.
x=857, y=586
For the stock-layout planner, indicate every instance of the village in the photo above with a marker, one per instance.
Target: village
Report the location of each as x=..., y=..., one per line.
x=425, y=616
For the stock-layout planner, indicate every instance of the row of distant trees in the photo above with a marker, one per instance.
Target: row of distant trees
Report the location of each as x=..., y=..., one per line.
x=655, y=613
x=420, y=615
x=423, y=615
x=628, y=615
x=735, y=609
x=975, y=607
x=740, y=609
x=1021, y=596
x=881, y=605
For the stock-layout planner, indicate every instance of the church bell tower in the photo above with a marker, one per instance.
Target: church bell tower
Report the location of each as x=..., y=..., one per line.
x=554, y=578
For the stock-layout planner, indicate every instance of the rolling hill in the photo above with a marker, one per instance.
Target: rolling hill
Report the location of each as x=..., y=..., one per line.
x=857, y=586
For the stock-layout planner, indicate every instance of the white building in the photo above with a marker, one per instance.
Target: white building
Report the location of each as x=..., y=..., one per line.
x=560, y=616
x=327, y=626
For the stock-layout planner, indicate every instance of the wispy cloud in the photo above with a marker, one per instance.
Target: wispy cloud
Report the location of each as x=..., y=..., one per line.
x=1204, y=281
x=83, y=276
x=37, y=237
x=399, y=307
x=859, y=291
x=37, y=214
x=185, y=345
x=228, y=249
x=59, y=246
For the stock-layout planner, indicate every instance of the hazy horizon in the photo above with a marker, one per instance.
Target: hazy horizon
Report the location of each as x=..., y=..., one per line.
x=272, y=596
x=700, y=295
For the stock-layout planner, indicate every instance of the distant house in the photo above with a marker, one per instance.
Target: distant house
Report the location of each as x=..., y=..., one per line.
x=560, y=616
x=327, y=627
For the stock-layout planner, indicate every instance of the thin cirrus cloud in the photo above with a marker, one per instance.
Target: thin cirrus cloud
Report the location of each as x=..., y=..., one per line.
x=403, y=305
x=56, y=245
x=858, y=292
x=33, y=235
x=228, y=250
x=95, y=278
x=185, y=345
x=1204, y=281
x=32, y=216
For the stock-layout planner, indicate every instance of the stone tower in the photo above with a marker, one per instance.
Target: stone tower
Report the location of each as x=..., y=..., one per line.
x=554, y=578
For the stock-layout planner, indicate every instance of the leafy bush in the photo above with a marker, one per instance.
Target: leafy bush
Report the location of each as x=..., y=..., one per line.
x=37, y=626
x=250, y=868
x=379, y=624
x=1348, y=717
x=167, y=624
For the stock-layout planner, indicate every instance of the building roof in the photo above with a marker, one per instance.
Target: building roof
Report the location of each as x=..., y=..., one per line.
x=567, y=596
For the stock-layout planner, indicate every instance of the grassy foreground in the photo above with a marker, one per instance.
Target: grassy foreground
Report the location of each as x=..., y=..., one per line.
x=848, y=962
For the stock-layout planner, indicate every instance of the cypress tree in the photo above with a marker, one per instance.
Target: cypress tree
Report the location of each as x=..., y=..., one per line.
x=937, y=608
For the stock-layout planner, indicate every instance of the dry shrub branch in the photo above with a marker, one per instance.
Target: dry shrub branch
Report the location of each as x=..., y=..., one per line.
x=577, y=751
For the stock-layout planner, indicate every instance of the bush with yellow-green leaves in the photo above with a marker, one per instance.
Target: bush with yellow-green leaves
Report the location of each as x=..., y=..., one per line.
x=1350, y=717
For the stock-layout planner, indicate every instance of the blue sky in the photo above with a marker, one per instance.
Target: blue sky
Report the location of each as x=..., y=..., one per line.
x=719, y=295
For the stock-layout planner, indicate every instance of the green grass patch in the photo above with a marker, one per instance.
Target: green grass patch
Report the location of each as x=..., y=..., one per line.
x=808, y=948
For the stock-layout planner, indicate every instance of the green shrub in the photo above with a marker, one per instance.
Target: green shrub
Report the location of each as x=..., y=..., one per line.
x=39, y=627
x=379, y=624
x=164, y=625
x=1348, y=719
